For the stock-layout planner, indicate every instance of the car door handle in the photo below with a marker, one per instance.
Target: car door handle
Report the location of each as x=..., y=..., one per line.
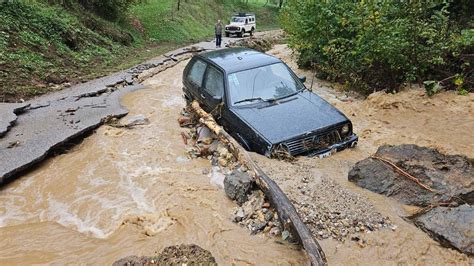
x=203, y=96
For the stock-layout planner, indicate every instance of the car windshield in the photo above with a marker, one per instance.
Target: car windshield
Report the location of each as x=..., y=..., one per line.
x=237, y=19
x=264, y=83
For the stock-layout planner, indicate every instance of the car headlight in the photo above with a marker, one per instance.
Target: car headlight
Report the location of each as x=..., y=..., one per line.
x=345, y=129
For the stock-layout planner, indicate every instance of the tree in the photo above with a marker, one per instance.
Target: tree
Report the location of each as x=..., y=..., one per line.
x=380, y=45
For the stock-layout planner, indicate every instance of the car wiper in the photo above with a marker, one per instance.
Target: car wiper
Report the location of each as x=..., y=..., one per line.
x=251, y=100
x=286, y=96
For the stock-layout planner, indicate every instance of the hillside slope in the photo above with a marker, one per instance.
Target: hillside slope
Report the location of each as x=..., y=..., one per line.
x=45, y=47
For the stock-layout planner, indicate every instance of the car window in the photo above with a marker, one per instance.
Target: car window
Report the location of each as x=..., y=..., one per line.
x=214, y=84
x=197, y=72
x=237, y=19
x=265, y=83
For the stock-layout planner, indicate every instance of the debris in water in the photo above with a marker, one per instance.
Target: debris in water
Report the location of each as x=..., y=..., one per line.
x=13, y=144
x=172, y=255
x=217, y=177
x=137, y=120
x=237, y=186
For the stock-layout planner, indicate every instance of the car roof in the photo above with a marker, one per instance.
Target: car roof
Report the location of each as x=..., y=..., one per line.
x=237, y=59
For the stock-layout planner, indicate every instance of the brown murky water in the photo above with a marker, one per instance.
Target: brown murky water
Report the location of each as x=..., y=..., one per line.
x=444, y=121
x=133, y=192
x=127, y=192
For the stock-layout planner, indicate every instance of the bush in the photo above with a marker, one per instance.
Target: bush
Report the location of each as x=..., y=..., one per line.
x=111, y=10
x=375, y=45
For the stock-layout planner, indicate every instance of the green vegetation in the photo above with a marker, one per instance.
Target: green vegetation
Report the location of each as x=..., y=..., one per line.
x=43, y=43
x=375, y=45
x=195, y=19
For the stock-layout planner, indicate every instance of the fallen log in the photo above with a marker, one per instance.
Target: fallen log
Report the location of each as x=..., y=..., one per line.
x=286, y=211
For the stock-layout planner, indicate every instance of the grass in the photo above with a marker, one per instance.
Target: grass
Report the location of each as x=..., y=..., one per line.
x=42, y=45
x=195, y=20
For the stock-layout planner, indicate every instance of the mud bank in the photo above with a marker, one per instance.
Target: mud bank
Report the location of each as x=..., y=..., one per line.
x=328, y=201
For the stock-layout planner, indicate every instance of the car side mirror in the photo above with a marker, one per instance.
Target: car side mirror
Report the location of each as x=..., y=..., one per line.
x=303, y=79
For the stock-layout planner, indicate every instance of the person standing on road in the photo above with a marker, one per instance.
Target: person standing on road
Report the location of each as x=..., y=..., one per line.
x=218, y=31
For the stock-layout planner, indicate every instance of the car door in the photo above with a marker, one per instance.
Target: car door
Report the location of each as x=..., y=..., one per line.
x=194, y=79
x=212, y=91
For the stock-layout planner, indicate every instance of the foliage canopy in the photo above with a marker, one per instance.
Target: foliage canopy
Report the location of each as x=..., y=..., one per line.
x=374, y=45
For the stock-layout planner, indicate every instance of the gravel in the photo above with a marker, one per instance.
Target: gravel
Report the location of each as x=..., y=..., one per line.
x=326, y=207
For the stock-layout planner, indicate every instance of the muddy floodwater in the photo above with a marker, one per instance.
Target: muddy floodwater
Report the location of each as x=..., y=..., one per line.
x=127, y=192
x=444, y=121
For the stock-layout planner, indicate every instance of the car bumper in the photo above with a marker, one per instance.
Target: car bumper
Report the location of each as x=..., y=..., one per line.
x=349, y=143
x=232, y=31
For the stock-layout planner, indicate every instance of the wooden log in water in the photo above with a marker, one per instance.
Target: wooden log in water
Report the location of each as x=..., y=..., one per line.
x=285, y=209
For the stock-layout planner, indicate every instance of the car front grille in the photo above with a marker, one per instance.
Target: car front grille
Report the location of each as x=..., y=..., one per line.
x=233, y=28
x=317, y=141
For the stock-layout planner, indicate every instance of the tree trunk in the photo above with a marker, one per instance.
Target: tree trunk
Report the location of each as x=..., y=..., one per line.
x=286, y=211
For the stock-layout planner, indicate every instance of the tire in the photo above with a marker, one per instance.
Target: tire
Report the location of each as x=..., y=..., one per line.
x=242, y=33
x=227, y=34
x=251, y=31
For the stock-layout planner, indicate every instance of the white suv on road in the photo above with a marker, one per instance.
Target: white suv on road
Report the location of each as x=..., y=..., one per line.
x=240, y=24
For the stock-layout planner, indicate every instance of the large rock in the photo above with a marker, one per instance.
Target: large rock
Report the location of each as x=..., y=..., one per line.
x=451, y=176
x=452, y=227
x=238, y=186
x=173, y=255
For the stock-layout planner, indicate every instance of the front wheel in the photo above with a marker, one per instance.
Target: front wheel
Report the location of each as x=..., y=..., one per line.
x=242, y=33
x=251, y=31
x=227, y=34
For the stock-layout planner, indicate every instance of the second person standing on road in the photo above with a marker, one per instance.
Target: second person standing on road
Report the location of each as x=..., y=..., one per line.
x=218, y=31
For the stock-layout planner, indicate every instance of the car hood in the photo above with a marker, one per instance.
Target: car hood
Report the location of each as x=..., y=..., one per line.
x=291, y=117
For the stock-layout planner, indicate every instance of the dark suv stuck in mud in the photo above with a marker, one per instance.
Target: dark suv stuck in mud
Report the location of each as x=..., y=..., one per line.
x=264, y=105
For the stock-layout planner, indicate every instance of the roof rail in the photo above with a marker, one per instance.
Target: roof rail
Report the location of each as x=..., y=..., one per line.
x=243, y=14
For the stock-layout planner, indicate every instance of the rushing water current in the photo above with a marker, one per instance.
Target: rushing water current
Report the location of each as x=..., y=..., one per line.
x=127, y=192
x=133, y=192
